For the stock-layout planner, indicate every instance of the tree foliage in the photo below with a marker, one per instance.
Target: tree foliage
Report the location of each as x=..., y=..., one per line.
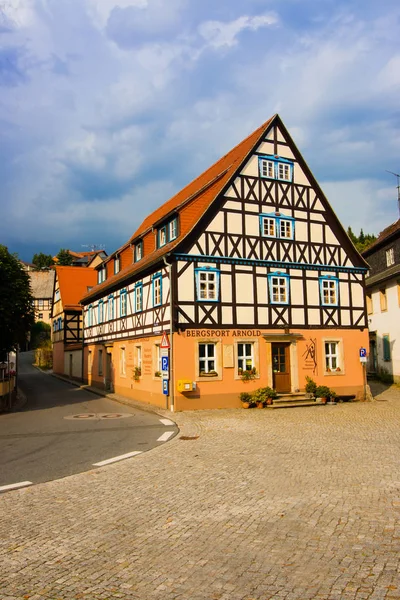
x=362, y=241
x=64, y=258
x=16, y=302
x=40, y=332
x=42, y=261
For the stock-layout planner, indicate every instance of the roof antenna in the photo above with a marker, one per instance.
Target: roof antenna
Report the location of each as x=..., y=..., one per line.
x=398, y=187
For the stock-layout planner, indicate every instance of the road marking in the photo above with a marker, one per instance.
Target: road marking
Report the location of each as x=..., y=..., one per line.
x=15, y=486
x=165, y=436
x=167, y=422
x=116, y=458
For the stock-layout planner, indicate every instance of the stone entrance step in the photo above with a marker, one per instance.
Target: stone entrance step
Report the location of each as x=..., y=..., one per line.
x=293, y=401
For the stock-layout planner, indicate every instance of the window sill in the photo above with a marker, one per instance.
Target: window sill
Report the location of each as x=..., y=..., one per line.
x=335, y=373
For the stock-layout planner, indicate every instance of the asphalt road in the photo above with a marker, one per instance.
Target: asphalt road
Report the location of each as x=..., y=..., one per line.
x=64, y=430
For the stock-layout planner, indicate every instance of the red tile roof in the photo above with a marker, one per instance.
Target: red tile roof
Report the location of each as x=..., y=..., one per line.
x=383, y=236
x=73, y=283
x=191, y=202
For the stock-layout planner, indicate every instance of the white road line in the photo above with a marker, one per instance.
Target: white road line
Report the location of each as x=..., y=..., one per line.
x=116, y=459
x=165, y=436
x=15, y=486
x=167, y=422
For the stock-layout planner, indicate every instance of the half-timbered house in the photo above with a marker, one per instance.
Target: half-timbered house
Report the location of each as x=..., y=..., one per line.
x=70, y=284
x=247, y=269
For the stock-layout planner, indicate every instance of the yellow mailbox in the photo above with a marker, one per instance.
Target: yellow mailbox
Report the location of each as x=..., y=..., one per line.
x=185, y=385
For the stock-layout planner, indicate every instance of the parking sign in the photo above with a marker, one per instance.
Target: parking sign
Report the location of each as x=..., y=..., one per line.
x=363, y=355
x=165, y=387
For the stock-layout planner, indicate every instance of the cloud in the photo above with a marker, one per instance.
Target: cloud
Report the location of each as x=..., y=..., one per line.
x=108, y=107
x=219, y=34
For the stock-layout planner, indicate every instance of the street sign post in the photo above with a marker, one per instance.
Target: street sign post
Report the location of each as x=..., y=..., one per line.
x=165, y=366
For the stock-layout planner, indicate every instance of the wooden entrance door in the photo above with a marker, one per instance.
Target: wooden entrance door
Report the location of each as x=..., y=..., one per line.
x=281, y=366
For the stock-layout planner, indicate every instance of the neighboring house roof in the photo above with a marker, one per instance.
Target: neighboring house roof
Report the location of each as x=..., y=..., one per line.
x=392, y=230
x=192, y=202
x=393, y=271
x=27, y=266
x=42, y=283
x=83, y=257
x=74, y=283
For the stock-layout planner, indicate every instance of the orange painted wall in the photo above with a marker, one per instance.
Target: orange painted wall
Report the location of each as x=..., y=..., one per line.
x=224, y=393
x=58, y=357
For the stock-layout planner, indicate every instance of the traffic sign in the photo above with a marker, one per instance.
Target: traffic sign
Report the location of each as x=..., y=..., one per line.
x=363, y=352
x=165, y=387
x=165, y=341
x=164, y=363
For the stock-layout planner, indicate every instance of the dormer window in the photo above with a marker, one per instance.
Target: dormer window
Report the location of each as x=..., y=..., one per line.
x=162, y=236
x=173, y=229
x=101, y=274
x=167, y=233
x=117, y=264
x=139, y=251
x=275, y=167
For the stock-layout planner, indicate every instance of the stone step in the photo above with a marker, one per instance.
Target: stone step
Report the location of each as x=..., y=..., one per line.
x=294, y=401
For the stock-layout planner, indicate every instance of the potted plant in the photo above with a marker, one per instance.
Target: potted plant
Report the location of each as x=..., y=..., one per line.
x=157, y=374
x=246, y=399
x=270, y=394
x=311, y=387
x=137, y=371
x=323, y=392
x=248, y=374
x=264, y=396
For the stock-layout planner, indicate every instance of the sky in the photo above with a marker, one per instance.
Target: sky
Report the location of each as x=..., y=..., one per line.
x=109, y=107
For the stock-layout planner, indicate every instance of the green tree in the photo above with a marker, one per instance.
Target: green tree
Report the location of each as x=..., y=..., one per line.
x=40, y=332
x=16, y=302
x=42, y=261
x=64, y=258
x=362, y=241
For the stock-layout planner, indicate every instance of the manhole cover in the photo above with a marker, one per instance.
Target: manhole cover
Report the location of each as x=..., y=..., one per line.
x=98, y=416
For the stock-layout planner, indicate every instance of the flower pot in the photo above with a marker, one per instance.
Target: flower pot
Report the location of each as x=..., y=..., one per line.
x=269, y=401
x=260, y=404
x=245, y=404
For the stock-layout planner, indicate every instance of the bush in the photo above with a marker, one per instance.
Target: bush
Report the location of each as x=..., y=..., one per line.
x=311, y=386
x=322, y=391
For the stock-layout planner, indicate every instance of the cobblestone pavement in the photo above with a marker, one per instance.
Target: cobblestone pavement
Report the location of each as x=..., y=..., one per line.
x=285, y=504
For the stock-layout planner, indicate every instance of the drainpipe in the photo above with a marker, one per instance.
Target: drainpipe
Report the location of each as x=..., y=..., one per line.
x=171, y=342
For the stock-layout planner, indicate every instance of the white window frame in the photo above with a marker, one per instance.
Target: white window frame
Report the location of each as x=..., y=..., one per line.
x=278, y=288
x=117, y=264
x=162, y=236
x=390, y=257
x=333, y=360
x=243, y=357
x=277, y=226
x=172, y=230
x=286, y=229
x=207, y=359
x=138, y=352
x=157, y=289
x=329, y=291
x=283, y=171
x=157, y=361
x=138, y=297
x=123, y=299
x=267, y=168
x=138, y=251
x=205, y=279
x=122, y=361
